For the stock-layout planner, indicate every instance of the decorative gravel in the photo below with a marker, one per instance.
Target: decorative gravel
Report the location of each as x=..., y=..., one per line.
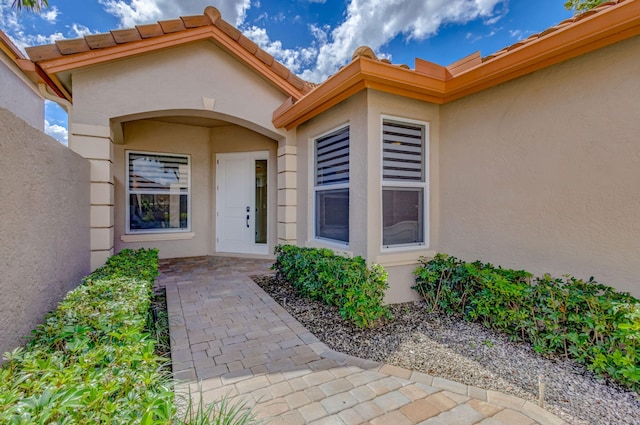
x=465, y=352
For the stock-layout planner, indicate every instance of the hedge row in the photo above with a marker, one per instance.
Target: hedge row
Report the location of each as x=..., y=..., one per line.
x=92, y=361
x=348, y=283
x=584, y=320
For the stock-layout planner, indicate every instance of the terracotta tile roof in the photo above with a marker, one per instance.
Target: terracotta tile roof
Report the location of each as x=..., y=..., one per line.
x=210, y=18
x=567, y=22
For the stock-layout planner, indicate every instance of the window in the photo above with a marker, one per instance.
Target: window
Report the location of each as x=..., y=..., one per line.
x=331, y=186
x=404, y=183
x=158, y=191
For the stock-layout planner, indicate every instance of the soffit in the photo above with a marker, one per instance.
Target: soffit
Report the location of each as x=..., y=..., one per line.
x=599, y=27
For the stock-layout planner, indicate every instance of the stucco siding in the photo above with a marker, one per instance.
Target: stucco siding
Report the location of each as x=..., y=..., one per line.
x=543, y=173
x=19, y=96
x=44, y=228
x=202, y=144
x=199, y=77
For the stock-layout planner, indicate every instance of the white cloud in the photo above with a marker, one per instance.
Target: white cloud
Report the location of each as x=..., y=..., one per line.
x=50, y=15
x=294, y=59
x=56, y=131
x=8, y=18
x=520, y=34
x=375, y=22
x=79, y=31
x=134, y=12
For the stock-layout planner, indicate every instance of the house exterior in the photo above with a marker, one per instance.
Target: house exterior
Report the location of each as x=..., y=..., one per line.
x=201, y=143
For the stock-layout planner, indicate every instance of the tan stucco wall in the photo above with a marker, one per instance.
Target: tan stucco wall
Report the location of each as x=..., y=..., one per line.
x=199, y=77
x=44, y=226
x=19, y=94
x=364, y=113
x=202, y=144
x=543, y=173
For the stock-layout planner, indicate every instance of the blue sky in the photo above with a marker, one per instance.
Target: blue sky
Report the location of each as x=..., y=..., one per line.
x=312, y=37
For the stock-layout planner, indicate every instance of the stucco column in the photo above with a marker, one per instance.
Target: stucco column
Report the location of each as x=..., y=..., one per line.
x=95, y=143
x=287, y=188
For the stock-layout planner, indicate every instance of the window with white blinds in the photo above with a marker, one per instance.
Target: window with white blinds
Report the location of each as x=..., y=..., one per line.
x=158, y=189
x=404, y=183
x=331, y=186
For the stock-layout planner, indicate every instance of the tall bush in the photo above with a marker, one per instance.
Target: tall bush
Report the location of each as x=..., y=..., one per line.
x=348, y=283
x=585, y=320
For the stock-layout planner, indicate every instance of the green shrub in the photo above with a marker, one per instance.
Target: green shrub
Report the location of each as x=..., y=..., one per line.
x=581, y=319
x=92, y=360
x=140, y=264
x=348, y=283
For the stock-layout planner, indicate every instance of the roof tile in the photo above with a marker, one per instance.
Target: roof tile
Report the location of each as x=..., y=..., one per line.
x=196, y=21
x=228, y=29
x=40, y=53
x=296, y=81
x=126, y=35
x=69, y=47
x=150, y=30
x=265, y=57
x=280, y=69
x=248, y=45
x=172, y=25
x=100, y=41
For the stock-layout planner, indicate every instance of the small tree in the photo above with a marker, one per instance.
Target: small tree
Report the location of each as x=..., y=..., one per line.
x=32, y=5
x=582, y=5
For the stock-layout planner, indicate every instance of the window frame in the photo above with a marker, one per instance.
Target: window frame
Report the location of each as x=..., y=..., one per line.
x=128, y=193
x=328, y=187
x=402, y=185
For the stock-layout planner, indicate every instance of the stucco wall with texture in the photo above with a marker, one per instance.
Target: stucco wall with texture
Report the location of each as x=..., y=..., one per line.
x=543, y=173
x=18, y=94
x=44, y=226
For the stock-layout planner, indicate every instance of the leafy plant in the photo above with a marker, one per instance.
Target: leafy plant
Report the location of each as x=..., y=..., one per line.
x=582, y=5
x=92, y=360
x=348, y=283
x=584, y=320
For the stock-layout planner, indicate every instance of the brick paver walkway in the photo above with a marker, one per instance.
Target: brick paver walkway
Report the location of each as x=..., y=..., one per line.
x=230, y=338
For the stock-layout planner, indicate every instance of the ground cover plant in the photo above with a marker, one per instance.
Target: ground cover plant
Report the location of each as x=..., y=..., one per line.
x=92, y=361
x=357, y=290
x=584, y=320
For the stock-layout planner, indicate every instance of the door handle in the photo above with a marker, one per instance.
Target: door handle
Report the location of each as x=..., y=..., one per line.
x=247, y=220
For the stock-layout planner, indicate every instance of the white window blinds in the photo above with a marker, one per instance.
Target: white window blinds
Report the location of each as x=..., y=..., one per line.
x=332, y=158
x=402, y=151
x=158, y=173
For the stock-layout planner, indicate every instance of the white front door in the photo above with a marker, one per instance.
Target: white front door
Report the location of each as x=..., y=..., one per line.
x=241, y=202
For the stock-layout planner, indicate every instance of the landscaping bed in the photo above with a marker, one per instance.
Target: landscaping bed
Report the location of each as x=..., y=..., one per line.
x=452, y=348
x=94, y=358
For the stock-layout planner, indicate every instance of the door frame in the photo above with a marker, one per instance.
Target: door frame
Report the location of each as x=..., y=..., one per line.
x=252, y=156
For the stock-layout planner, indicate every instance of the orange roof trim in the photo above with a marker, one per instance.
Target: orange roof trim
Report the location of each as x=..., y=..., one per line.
x=67, y=55
x=599, y=27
